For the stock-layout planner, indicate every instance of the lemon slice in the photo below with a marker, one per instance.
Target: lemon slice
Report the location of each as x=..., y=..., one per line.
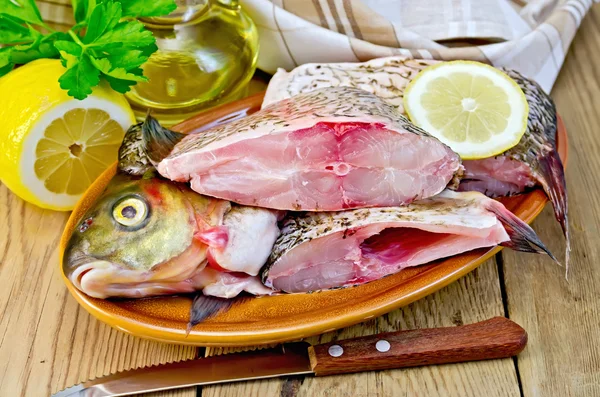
x=472, y=107
x=52, y=146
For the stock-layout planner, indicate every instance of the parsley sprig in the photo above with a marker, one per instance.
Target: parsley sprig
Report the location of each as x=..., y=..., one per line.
x=106, y=41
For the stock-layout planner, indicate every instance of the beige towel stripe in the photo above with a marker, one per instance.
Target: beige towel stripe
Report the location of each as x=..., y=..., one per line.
x=322, y=19
x=566, y=27
x=328, y=15
x=365, y=51
x=336, y=17
x=520, y=3
x=283, y=37
x=350, y=14
x=371, y=26
x=340, y=6
x=472, y=53
x=310, y=11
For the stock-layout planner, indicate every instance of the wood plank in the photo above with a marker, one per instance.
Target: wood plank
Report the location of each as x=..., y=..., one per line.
x=47, y=342
x=473, y=298
x=563, y=317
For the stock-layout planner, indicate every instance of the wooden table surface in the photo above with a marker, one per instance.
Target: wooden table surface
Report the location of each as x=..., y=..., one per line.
x=48, y=342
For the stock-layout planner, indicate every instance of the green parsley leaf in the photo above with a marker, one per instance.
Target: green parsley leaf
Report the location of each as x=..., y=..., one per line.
x=119, y=79
x=5, y=64
x=36, y=38
x=104, y=42
x=137, y=71
x=80, y=79
x=25, y=10
x=143, y=8
x=27, y=52
x=5, y=56
x=123, y=57
x=42, y=47
x=121, y=86
x=118, y=73
x=130, y=34
x=12, y=32
x=104, y=17
x=69, y=52
x=82, y=9
x=149, y=50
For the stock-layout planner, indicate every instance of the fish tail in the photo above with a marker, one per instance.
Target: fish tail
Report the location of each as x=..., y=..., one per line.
x=204, y=307
x=552, y=179
x=522, y=237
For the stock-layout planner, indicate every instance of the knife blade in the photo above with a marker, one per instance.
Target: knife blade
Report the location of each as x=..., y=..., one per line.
x=497, y=337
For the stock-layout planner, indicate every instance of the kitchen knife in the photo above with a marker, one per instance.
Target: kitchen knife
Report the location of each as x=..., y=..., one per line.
x=497, y=337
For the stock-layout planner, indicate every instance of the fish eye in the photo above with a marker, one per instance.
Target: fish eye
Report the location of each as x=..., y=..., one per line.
x=130, y=211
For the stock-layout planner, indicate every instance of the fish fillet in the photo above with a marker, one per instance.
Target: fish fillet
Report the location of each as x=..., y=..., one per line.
x=326, y=150
x=324, y=250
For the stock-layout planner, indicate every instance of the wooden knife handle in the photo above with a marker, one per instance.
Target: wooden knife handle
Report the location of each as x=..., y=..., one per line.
x=497, y=337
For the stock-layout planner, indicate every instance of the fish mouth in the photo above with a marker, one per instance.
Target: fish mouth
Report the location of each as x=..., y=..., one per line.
x=85, y=276
x=102, y=279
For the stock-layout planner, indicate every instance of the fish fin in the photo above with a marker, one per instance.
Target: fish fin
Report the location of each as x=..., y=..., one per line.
x=552, y=179
x=157, y=140
x=132, y=159
x=522, y=237
x=204, y=307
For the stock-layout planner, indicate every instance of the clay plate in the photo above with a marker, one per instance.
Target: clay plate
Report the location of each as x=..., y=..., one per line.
x=285, y=317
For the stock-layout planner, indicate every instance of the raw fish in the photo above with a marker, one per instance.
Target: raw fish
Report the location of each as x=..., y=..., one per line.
x=534, y=161
x=326, y=150
x=324, y=250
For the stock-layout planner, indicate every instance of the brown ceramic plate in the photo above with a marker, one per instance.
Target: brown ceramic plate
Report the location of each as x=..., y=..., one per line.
x=285, y=317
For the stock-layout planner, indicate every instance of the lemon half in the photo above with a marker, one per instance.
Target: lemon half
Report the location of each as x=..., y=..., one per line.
x=472, y=107
x=52, y=146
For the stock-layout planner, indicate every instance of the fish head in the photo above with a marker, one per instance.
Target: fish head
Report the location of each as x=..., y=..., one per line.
x=137, y=239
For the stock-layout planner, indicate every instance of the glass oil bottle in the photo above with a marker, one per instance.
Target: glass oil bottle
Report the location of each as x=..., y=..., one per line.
x=207, y=53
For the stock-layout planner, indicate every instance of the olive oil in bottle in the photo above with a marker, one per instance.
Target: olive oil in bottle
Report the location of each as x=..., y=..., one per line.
x=207, y=53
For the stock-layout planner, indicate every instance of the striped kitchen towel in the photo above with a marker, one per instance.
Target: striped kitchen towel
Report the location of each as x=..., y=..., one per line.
x=531, y=36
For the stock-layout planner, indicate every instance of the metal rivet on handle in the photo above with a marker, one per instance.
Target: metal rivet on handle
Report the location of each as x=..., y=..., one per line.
x=335, y=350
x=382, y=346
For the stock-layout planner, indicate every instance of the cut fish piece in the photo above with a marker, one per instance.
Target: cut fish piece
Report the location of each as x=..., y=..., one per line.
x=388, y=77
x=327, y=150
x=496, y=176
x=325, y=250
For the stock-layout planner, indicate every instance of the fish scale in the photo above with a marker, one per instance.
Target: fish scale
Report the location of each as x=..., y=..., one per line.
x=329, y=103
